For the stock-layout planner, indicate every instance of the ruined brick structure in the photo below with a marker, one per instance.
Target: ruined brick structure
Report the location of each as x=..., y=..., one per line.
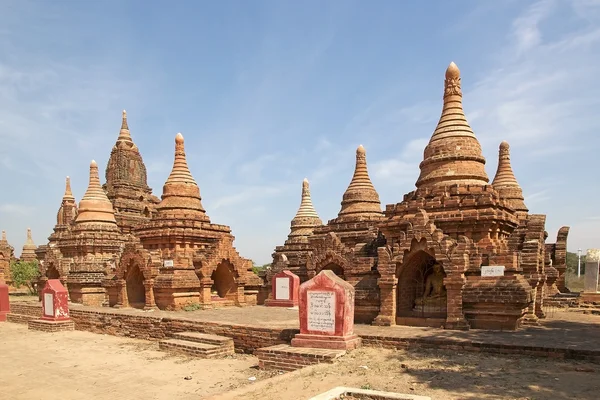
x=421, y=262
x=28, y=252
x=179, y=257
x=126, y=182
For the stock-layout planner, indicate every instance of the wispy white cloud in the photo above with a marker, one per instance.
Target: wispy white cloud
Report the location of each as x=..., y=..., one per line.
x=20, y=209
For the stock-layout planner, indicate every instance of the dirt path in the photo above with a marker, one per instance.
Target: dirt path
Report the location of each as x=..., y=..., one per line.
x=440, y=374
x=83, y=365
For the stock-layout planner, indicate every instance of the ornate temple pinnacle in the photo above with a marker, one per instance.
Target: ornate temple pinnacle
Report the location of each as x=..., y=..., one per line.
x=306, y=218
x=360, y=199
x=68, y=193
x=506, y=182
x=29, y=238
x=453, y=155
x=4, y=236
x=180, y=191
x=124, y=133
x=94, y=205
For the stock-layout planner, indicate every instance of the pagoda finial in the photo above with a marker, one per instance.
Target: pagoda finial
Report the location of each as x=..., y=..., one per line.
x=360, y=200
x=68, y=193
x=4, y=236
x=124, y=133
x=94, y=205
x=29, y=234
x=181, y=191
x=506, y=182
x=453, y=155
x=306, y=210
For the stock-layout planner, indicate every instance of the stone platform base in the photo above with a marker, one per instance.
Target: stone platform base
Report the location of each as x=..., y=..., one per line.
x=198, y=344
x=283, y=357
x=341, y=392
x=326, y=342
x=430, y=322
x=50, y=326
x=281, y=303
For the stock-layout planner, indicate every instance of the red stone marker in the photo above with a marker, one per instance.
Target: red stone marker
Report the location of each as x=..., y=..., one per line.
x=55, y=303
x=55, y=309
x=285, y=290
x=326, y=313
x=4, y=302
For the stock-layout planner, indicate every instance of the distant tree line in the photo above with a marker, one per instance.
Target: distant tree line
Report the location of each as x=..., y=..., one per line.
x=572, y=263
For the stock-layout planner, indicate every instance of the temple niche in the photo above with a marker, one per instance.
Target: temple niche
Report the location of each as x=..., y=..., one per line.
x=178, y=257
x=126, y=182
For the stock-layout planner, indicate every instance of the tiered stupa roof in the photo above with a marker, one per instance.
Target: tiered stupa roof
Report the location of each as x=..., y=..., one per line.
x=306, y=218
x=453, y=154
x=505, y=182
x=181, y=194
x=361, y=200
x=94, y=206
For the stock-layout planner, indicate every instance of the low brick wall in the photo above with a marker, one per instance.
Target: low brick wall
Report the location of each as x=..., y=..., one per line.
x=496, y=348
x=245, y=338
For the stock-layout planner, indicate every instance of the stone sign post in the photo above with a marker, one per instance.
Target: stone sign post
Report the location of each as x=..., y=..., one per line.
x=326, y=311
x=592, y=260
x=55, y=309
x=285, y=290
x=4, y=301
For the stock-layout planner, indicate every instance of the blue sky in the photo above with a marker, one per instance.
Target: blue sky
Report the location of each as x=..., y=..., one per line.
x=269, y=92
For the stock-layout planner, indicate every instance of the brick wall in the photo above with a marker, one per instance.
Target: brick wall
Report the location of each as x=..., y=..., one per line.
x=245, y=338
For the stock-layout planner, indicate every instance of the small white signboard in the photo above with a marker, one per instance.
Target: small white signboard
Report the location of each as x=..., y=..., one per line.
x=282, y=288
x=321, y=311
x=168, y=263
x=492, y=270
x=49, y=304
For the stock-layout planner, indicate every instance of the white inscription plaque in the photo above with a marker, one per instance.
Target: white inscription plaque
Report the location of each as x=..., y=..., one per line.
x=168, y=263
x=49, y=304
x=321, y=311
x=282, y=288
x=492, y=270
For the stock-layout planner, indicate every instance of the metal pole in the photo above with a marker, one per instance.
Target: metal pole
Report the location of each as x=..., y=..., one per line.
x=578, y=263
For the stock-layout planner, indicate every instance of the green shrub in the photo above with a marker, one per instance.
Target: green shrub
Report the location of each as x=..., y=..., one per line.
x=25, y=273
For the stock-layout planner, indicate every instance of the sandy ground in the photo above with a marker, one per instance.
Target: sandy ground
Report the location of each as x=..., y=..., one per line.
x=441, y=375
x=82, y=365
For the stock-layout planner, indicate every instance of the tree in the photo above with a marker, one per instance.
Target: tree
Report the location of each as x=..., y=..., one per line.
x=25, y=273
x=572, y=263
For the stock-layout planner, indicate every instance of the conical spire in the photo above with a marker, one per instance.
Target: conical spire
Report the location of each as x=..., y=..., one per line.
x=68, y=194
x=361, y=200
x=4, y=236
x=180, y=191
x=28, y=251
x=505, y=181
x=29, y=238
x=124, y=133
x=94, y=205
x=453, y=155
x=306, y=218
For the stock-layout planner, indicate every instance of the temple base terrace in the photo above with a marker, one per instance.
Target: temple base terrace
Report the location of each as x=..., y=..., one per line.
x=568, y=335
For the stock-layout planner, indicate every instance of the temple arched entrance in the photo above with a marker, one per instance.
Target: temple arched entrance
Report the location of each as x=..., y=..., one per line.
x=134, y=283
x=52, y=272
x=224, y=284
x=421, y=298
x=336, y=269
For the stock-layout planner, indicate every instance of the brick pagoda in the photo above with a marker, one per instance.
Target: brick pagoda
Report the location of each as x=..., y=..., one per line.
x=457, y=252
x=179, y=257
x=90, y=248
x=126, y=182
x=28, y=252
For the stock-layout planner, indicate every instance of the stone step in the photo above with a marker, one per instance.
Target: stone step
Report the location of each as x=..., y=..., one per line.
x=195, y=349
x=204, y=338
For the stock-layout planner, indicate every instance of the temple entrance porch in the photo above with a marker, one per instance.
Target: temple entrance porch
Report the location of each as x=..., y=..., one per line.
x=421, y=294
x=134, y=285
